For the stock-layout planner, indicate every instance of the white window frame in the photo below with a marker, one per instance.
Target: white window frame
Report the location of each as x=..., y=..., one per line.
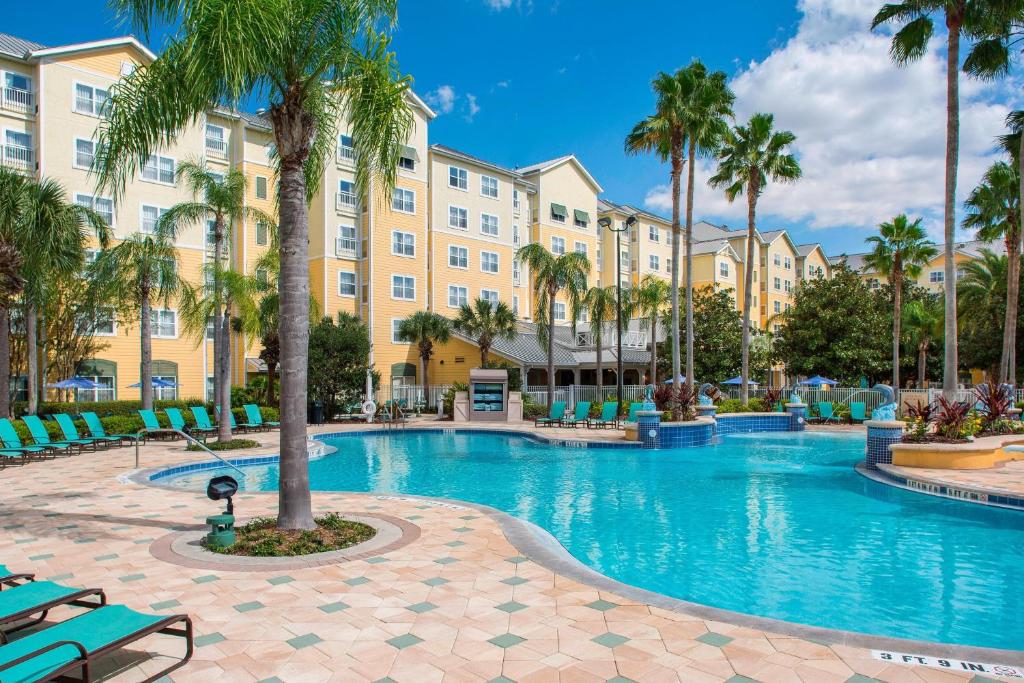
x=777, y=282
x=462, y=216
x=92, y=199
x=497, y=262
x=515, y=304
x=404, y=286
x=483, y=222
x=653, y=261
x=92, y=145
x=256, y=187
x=405, y=193
x=113, y=323
x=937, y=277
x=462, y=254
x=461, y=178
x=580, y=248
x=155, y=325
x=342, y=237
x=160, y=211
x=485, y=294
x=787, y=263
x=266, y=233
x=777, y=307
x=223, y=149
x=461, y=293
x=484, y=189
x=394, y=332
x=158, y=158
x=561, y=250
x=776, y=260
x=723, y=269
x=403, y=236
x=341, y=285
x=653, y=234
x=346, y=153
x=94, y=111
x=559, y=306
x=28, y=79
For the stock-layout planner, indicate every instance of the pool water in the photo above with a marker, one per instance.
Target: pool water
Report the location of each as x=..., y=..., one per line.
x=775, y=525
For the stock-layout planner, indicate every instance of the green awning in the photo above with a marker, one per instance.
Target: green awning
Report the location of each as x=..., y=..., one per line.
x=559, y=210
x=410, y=153
x=403, y=370
x=581, y=216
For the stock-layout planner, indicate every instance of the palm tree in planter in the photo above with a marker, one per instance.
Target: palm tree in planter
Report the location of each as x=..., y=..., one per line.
x=424, y=329
x=923, y=321
x=899, y=252
x=750, y=157
x=316, y=63
x=485, y=322
x=140, y=271
x=13, y=204
x=600, y=304
x=648, y=302
x=553, y=275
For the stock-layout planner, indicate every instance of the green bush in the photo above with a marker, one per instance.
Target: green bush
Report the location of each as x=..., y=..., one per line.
x=232, y=445
x=732, y=405
x=107, y=408
x=532, y=409
x=757, y=405
x=449, y=397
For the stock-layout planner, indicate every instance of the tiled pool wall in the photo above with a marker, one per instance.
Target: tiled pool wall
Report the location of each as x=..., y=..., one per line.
x=879, y=440
x=946, y=491
x=688, y=435
x=759, y=422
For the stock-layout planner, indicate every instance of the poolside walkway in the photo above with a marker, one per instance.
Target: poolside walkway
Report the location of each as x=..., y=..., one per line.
x=459, y=603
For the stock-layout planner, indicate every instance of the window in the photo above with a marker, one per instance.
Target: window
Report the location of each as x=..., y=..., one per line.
x=347, y=244
x=403, y=287
x=789, y=285
x=261, y=187
x=211, y=231
x=85, y=153
x=489, y=261
x=159, y=169
x=489, y=224
x=458, y=257
x=395, y=337
x=458, y=217
x=101, y=205
x=580, y=247
x=346, y=148
x=778, y=283
x=960, y=273
x=164, y=322
x=654, y=261
x=403, y=200
x=624, y=259
x=403, y=243
x=489, y=186
x=559, y=311
x=515, y=305
x=346, y=194
x=490, y=296
x=103, y=323
x=262, y=276
x=515, y=235
x=558, y=213
x=515, y=202
x=516, y=272
x=150, y=217
x=458, y=178
x=457, y=296
x=755, y=276
x=778, y=307
x=90, y=100
x=936, y=276
x=788, y=306
x=723, y=269
x=215, y=139
x=407, y=162
x=19, y=82
x=262, y=233
x=580, y=219
x=776, y=260
x=557, y=246
x=668, y=266
x=787, y=263
x=652, y=233
x=873, y=283
x=346, y=284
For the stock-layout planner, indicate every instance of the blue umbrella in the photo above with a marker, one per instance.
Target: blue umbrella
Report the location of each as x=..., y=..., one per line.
x=75, y=382
x=157, y=384
x=739, y=380
x=682, y=380
x=818, y=381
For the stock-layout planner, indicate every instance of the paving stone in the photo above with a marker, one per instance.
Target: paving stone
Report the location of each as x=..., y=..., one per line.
x=403, y=641
x=610, y=639
x=506, y=640
x=716, y=639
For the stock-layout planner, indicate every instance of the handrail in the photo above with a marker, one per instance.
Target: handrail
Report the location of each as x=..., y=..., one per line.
x=188, y=437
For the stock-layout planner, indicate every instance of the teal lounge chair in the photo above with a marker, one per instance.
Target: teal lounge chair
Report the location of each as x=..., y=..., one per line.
x=12, y=442
x=203, y=424
x=67, y=425
x=633, y=407
x=69, y=650
x=42, y=438
x=581, y=414
x=27, y=604
x=609, y=416
x=176, y=419
x=152, y=424
x=252, y=413
x=9, y=578
x=857, y=411
x=554, y=416
x=92, y=421
x=825, y=412
x=238, y=426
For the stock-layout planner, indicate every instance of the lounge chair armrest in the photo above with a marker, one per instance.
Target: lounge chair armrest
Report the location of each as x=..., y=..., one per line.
x=82, y=653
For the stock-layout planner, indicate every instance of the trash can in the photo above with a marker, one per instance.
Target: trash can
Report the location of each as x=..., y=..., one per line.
x=316, y=413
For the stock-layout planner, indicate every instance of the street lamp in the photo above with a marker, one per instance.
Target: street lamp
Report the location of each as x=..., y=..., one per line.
x=610, y=224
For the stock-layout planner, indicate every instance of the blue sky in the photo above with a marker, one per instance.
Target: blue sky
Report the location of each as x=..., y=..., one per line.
x=519, y=81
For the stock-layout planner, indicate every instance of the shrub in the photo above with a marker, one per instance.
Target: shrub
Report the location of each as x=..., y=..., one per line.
x=953, y=419
x=757, y=405
x=772, y=397
x=106, y=408
x=732, y=405
x=995, y=402
x=449, y=397
x=532, y=409
x=232, y=445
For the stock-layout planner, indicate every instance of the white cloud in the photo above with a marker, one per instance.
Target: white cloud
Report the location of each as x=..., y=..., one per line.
x=501, y=5
x=472, y=108
x=442, y=99
x=870, y=135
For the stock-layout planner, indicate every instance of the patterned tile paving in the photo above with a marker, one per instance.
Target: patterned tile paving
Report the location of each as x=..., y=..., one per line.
x=489, y=615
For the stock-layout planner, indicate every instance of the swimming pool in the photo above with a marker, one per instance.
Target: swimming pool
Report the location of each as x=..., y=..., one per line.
x=775, y=525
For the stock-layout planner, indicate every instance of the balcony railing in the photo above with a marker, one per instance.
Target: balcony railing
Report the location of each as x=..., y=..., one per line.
x=516, y=206
x=216, y=146
x=17, y=99
x=346, y=247
x=19, y=157
x=346, y=201
x=631, y=340
x=346, y=154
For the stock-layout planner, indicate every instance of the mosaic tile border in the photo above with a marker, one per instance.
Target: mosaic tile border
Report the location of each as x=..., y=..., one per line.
x=940, y=489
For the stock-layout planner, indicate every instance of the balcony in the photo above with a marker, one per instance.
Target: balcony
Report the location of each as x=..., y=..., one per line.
x=20, y=158
x=216, y=147
x=346, y=247
x=516, y=206
x=16, y=99
x=346, y=155
x=346, y=201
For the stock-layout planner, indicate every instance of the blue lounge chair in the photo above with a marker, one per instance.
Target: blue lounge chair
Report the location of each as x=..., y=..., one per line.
x=42, y=437
x=9, y=578
x=27, y=604
x=858, y=411
x=203, y=423
x=12, y=442
x=581, y=414
x=825, y=411
x=235, y=425
x=152, y=425
x=67, y=425
x=176, y=419
x=554, y=417
x=92, y=421
x=73, y=646
x=633, y=407
x=609, y=416
x=252, y=413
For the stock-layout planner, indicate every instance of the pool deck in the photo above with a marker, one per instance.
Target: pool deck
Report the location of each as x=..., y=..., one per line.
x=1005, y=479
x=457, y=601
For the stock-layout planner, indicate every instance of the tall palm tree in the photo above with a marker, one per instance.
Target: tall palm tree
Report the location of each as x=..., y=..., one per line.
x=425, y=329
x=219, y=199
x=140, y=271
x=567, y=275
x=314, y=61
x=750, y=157
x=988, y=24
x=899, y=252
x=981, y=295
x=648, y=303
x=485, y=322
x=993, y=210
x=13, y=205
x=600, y=303
x=923, y=320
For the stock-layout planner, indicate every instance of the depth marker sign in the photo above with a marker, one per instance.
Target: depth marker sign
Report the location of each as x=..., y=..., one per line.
x=952, y=664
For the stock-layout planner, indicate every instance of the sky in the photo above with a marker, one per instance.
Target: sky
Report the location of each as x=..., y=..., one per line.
x=521, y=81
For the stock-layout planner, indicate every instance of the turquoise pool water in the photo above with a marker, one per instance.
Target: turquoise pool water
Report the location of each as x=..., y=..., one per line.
x=776, y=525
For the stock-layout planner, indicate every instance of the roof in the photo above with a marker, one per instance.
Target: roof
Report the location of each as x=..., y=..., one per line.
x=94, y=45
x=525, y=348
x=805, y=249
x=13, y=46
x=554, y=163
x=971, y=249
x=770, y=235
x=458, y=154
x=607, y=206
x=713, y=247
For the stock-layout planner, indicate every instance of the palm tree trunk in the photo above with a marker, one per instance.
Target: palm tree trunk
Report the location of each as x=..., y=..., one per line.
x=223, y=372
x=425, y=361
x=216, y=355
x=748, y=280
x=654, y=348
x=922, y=361
x=1007, y=362
x=600, y=368
x=689, y=264
x=32, y=353
x=950, y=363
x=897, y=303
x=677, y=172
x=5, y=362
x=271, y=371
x=485, y=351
x=295, y=509
x=43, y=369
x=551, y=350
x=146, y=353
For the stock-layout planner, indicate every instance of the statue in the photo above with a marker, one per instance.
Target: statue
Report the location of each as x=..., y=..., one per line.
x=649, y=398
x=705, y=400
x=886, y=411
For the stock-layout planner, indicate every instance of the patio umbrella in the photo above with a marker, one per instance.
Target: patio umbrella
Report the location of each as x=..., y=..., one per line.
x=818, y=381
x=157, y=384
x=682, y=380
x=75, y=382
x=739, y=380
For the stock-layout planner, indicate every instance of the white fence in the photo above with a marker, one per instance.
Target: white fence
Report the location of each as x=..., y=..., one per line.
x=581, y=392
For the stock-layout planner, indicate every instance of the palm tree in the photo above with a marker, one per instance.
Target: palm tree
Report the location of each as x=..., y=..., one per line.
x=600, y=303
x=988, y=24
x=900, y=251
x=923, y=320
x=140, y=271
x=313, y=60
x=994, y=211
x=424, y=329
x=982, y=288
x=485, y=322
x=13, y=204
x=566, y=274
x=750, y=157
x=647, y=302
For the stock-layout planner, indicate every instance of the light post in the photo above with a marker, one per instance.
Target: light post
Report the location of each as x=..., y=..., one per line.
x=610, y=224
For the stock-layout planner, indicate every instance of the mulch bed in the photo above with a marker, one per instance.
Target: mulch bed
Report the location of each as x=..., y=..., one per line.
x=262, y=538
